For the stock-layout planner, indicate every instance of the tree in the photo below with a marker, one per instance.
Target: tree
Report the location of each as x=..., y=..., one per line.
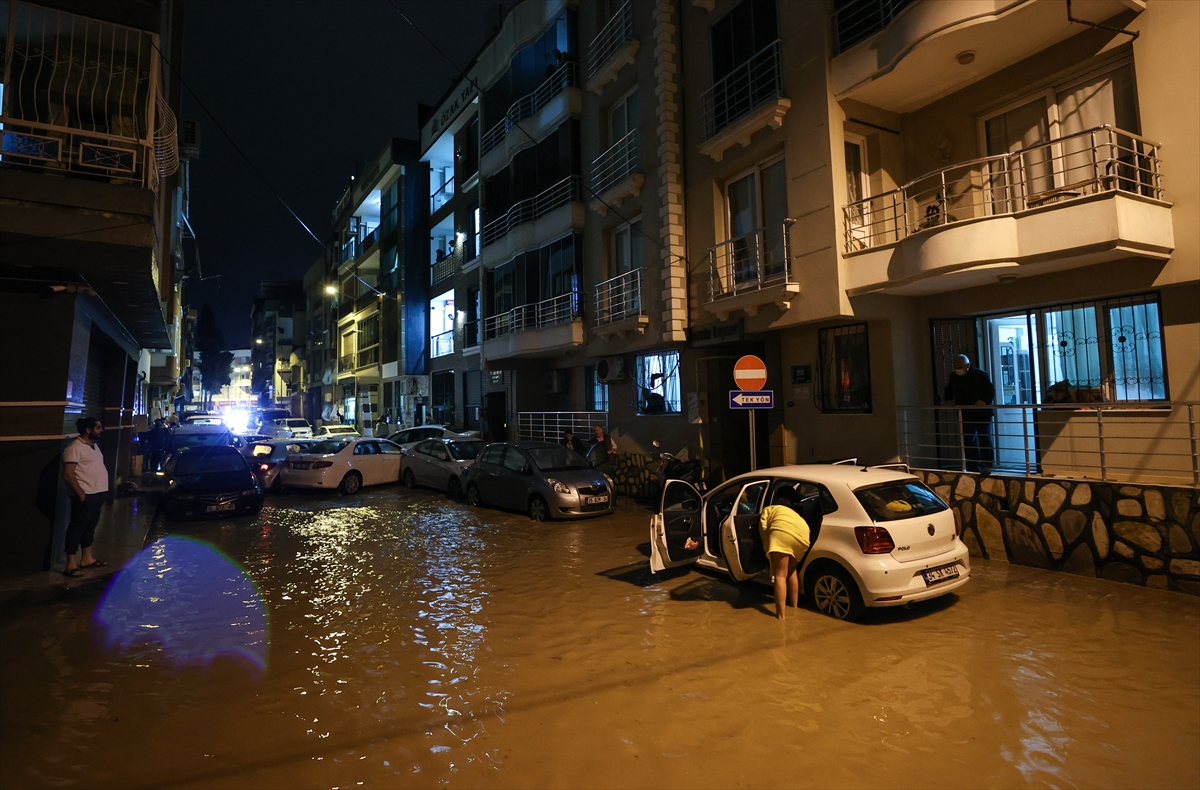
x=216, y=364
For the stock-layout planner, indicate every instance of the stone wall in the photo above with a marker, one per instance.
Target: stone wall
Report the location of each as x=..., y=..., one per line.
x=1147, y=535
x=632, y=474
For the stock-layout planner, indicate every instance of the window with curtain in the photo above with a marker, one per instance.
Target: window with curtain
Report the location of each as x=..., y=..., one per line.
x=658, y=383
x=845, y=369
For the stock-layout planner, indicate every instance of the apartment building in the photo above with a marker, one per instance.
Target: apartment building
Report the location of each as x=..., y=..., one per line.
x=278, y=333
x=90, y=240
x=377, y=293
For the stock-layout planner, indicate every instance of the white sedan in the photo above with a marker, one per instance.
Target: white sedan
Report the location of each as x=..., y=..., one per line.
x=882, y=537
x=333, y=431
x=289, y=428
x=440, y=463
x=343, y=463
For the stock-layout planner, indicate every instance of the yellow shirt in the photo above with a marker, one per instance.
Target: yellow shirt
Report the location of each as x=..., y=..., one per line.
x=784, y=530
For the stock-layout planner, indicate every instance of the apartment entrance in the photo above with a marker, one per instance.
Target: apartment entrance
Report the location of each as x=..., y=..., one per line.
x=496, y=409
x=1010, y=358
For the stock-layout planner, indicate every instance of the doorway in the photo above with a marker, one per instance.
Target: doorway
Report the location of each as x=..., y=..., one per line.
x=1010, y=357
x=496, y=408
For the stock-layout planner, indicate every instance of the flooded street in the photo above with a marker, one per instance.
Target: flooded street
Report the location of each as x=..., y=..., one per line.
x=413, y=641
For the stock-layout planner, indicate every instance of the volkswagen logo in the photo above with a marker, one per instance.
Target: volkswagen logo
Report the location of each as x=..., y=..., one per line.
x=931, y=529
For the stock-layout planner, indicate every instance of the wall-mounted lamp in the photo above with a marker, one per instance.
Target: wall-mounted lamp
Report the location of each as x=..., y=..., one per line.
x=331, y=289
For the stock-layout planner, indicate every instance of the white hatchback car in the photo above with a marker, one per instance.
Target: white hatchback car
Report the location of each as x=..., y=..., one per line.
x=883, y=538
x=343, y=463
x=335, y=431
x=289, y=428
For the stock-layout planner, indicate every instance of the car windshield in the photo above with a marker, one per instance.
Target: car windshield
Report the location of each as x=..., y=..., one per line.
x=206, y=462
x=465, y=451
x=200, y=439
x=557, y=459
x=327, y=447
x=900, y=500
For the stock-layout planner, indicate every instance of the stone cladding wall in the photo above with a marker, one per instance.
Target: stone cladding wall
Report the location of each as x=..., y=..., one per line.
x=1139, y=534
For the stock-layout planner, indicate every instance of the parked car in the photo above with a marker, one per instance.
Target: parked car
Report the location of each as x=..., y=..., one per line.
x=208, y=480
x=266, y=459
x=408, y=437
x=439, y=463
x=884, y=538
x=344, y=463
x=332, y=431
x=544, y=480
x=289, y=428
x=244, y=442
x=201, y=418
x=198, y=435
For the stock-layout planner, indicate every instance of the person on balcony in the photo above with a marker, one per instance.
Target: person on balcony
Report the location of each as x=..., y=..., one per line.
x=968, y=387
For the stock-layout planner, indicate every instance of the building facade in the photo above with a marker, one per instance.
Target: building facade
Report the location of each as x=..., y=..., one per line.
x=278, y=333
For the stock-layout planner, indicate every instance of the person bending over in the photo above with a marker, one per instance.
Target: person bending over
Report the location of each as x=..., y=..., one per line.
x=785, y=538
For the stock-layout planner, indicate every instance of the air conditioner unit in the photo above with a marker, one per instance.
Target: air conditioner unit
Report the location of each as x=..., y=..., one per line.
x=611, y=369
x=556, y=382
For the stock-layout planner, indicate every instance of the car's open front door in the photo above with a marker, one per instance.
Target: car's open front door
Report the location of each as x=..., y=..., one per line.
x=676, y=534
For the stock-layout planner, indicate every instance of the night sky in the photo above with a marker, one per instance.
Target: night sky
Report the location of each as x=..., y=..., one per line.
x=308, y=90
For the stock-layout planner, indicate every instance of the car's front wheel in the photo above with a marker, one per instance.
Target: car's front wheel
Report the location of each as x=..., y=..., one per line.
x=473, y=497
x=351, y=483
x=454, y=488
x=538, y=511
x=833, y=592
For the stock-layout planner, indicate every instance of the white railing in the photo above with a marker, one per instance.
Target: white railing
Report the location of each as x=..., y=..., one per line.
x=549, y=426
x=1097, y=160
x=441, y=345
x=619, y=297
x=616, y=164
x=562, y=193
x=1152, y=442
x=166, y=138
x=556, y=310
x=611, y=37
x=858, y=20
x=747, y=87
x=448, y=265
x=760, y=258
x=442, y=195
x=527, y=106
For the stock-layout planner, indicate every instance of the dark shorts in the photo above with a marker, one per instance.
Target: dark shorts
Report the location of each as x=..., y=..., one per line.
x=85, y=515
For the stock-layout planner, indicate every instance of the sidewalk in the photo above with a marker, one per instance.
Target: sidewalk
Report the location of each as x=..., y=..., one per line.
x=120, y=535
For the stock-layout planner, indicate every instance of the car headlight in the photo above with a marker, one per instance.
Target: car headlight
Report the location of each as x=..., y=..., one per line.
x=558, y=486
x=611, y=484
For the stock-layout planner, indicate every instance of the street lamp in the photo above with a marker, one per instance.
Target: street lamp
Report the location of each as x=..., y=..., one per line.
x=258, y=341
x=331, y=289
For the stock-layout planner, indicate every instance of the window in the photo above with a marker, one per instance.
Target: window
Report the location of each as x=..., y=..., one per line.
x=756, y=205
x=623, y=117
x=441, y=325
x=597, y=390
x=658, y=383
x=627, y=248
x=845, y=362
x=737, y=36
x=857, y=185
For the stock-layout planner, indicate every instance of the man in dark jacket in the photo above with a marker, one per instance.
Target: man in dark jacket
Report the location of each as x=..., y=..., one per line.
x=972, y=387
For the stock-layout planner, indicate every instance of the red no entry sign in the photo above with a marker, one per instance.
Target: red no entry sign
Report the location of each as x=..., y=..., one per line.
x=750, y=373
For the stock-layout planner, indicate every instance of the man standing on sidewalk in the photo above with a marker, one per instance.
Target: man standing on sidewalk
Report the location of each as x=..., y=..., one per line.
x=84, y=471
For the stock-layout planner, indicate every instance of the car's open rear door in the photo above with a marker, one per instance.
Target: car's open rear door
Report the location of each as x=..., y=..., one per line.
x=676, y=533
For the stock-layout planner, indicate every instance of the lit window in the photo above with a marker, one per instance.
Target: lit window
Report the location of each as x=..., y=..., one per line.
x=658, y=383
x=845, y=369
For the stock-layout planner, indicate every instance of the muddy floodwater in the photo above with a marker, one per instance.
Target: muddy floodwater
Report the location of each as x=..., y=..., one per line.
x=401, y=639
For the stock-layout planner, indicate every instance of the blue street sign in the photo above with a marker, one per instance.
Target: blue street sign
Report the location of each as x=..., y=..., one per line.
x=763, y=399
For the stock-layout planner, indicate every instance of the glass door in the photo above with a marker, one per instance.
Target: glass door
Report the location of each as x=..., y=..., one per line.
x=1011, y=359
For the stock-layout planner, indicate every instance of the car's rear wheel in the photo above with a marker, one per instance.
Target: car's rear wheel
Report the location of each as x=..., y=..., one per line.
x=834, y=593
x=454, y=488
x=473, y=497
x=351, y=483
x=538, y=511
x=410, y=480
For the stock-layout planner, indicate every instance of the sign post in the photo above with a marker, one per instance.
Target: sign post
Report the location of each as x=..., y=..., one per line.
x=750, y=376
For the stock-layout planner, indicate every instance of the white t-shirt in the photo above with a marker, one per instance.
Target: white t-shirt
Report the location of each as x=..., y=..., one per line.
x=89, y=469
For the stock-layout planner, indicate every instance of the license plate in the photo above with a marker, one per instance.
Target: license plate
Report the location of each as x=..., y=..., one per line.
x=944, y=573
x=300, y=464
x=596, y=500
x=218, y=508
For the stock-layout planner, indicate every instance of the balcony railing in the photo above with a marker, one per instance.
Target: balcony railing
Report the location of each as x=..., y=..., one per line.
x=567, y=76
x=617, y=163
x=441, y=196
x=368, y=357
x=742, y=90
x=619, y=298
x=611, y=38
x=857, y=20
x=549, y=426
x=441, y=345
x=756, y=260
x=1090, y=162
x=1147, y=442
x=562, y=193
x=550, y=312
x=447, y=266
x=470, y=333
x=346, y=362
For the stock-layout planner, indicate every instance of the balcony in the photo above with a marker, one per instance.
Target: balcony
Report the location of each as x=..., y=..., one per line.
x=531, y=117
x=900, y=55
x=533, y=330
x=619, y=308
x=742, y=102
x=471, y=334
x=1091, y=197
x=368, y=357
x=449, y=266
x=615, y=176
x=346, y=364
x=752, y=270
x=612, y=49
x=441, y=196
x=441, y=345
x=547, y=215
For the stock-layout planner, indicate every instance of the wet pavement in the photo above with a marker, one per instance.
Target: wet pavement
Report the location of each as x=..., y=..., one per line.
x=401, y=639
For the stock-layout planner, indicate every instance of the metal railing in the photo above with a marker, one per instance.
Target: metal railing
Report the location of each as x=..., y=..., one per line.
x=448, y=265
x=346, y=362
x=567, y=76
x=442, y=195
x=549, y=426
x=616, y=164
x=441, y=345
x=550, y=312
x=758, y=259
x=1152, y=442
x=619, y=298
x=611, y=37
x=61, y=150
x=471, y=333
x=857, y=20
x=368, y=357
x=739, y=92
x=1103, y=159
x=562, y=193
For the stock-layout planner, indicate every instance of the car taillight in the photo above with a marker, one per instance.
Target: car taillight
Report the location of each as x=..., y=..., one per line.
x=265, y=467
x=874, y=540
x=322, y=464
